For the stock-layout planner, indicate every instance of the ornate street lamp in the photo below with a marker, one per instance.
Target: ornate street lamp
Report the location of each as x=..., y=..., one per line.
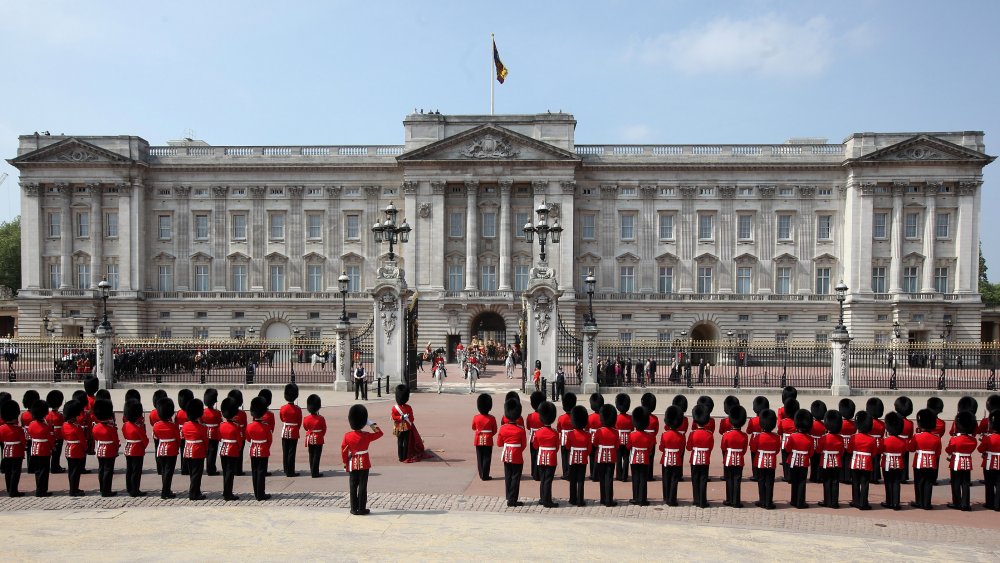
x=388, y=231
x=105, y=289
x=841, y=290
x=49, y=328
x=735, y=358
x=590, y=282
x=344, y=282
x=543, y=229
x=251, y=330
x=895, y=330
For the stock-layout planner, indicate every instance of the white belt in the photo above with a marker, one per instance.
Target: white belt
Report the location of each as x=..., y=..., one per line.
x=228, y=441
x=128, y=442
x=290, y=423
x=258, y=441
x=732, y=452
x=650, y=431
x=857, y=453
x=362, y=452
x=632, y=453
x=314, y=432
x=162, y=440
x=602, y=447
x=67, y=441
x=485, y=431
x=673, y=451
x=989, y=455
x=509, y=445
x=892, y=455
x=19, y=443
x=39, y=440
x=574, y=449
x=547, y=449
x=193, y=441
x=700, y=449
x=102, y=441
x=211, y=426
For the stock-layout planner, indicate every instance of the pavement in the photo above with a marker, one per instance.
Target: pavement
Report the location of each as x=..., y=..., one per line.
x=438, y=509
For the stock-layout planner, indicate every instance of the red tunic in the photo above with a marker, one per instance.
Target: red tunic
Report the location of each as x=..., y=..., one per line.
x=41, y=438
x=893, y=448
x=847, y=430
x=268, y=419
x=315, y=427
x=606, y=441
x=878, y=431
x=26, y=421
x=766, y=445
x=291, y=420
x=927, y=450
x=402, y=416
x=683, y=428
x=863, y=448
x=168, y=435
x=564, y=425
x=154, y=417
x=546, y=441
x=654, y=427
x=75, y=440
x=180, y=418
x=55, y=420
x=800, y=448
x=106, y=442
x=354, y=449
x=578, y=442
x=625, y=427
x=241, y=419
x=818, y=431
x=960, y=448
x=700, y=443
x=259, y=435
x=641, y=446
x=781, y=414
x=734, y=448
x=230, y=439
x=671, y=448
x=512, y=439
x=984, y=426
x=593, y=423
x=938, y=428
x=212, y=419
x=485, y=426
x=195, y=437
x=724, y=426
x=907, y=429
x=753, y=426
x=13, y=440
x=136, y=439
x=519, y=421
x=533, y=423
x=990, y=448
x=785, y=429
x=830, y=449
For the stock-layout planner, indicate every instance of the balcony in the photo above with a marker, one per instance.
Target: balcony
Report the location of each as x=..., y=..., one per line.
x=743, y=297
x=191, y=295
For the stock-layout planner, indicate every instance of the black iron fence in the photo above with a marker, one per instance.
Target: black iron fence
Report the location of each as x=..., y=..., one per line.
x=48, y=359
x=569, y=353
x=924, y=365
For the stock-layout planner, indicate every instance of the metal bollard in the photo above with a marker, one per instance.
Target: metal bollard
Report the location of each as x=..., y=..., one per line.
x=554, y=395
x=378, y=386
x=387, y=385
x=892, y=379
x=544, y=388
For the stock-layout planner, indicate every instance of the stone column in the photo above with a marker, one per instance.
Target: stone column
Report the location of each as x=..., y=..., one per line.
x=896, y=238
x=220, y=238
x=257, y=231
x=124, y=236
x=391, y=296
x=565, y=213
x=342, y=381
x=32, y=274
x=930, y=214
x=105, y=363
x=472, y=235
x=840, y=342
x=66, y=235
x=334, y=238
x=438, y=218
x=295, y=238
x=136, y=219
x=966, y=238
x=505, y=234
x=805, y=241
x=410, y=250
x=768, y=236
x=588, y=381
x=182, y=238
x=726, y=240
x=97, y=271
x=607, y=236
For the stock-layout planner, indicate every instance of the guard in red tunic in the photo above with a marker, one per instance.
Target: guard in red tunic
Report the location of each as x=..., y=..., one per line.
x=13, y=442
x=503, y=419
x=992, y=404
x=990, y=448
x=831, y=450
x=211, y=419
x=402, y=417
x=484, y=425
x=641, y=447
x=165, y=430
x=681, y=402
x=787, y=393
x=259, y=436
x=512, y=439
x=154, y=417
x=269, y=418
x=936, y=405
x=564, y=425
x=799, y=447
x=671, y=454
x=532, y=423
x=593, y=423
x=106, y=445
x=766, y=445
x=700, y=443
x=904, y=408
x=876, y=409
x=709, y=405
x=41, y=447
x=183, y=396
x=230, y=446
x=578, y=444
x=546, y=441
x=241, y=418
x=75, y=441
x=893, y=448
x=291, y=421
x=195, y=446
x=966, y=403
x=648, y=402
x=727, y=406
x=786, y=427
x=863, y=448
x=624, y=426
x=818, y=411
x=607, y=443
x=55, y=400
x=734, y=448
x=29, y=398
x=960, y=448
x=847, y=409
x=926, y=448
x=354, y=453
x=760, y=403
x=91, y=385
x=136, y=440
x=315, y=427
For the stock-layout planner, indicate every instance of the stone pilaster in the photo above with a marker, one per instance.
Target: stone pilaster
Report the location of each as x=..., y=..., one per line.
x=930, y=214
x=97, y=270
x=221, y=236
x=66, y=235
x=472, y=235
x=32, y=218
x=342, y=381
x=895, y=229
x=437, y=217
x=295, y=238
x=506, y=234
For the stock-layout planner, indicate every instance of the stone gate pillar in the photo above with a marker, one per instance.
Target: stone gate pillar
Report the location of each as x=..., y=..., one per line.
x=342, y=357
x=588, y=381
x=104, y=367
x=541, y=299
x=840, y=342
x=391, y=295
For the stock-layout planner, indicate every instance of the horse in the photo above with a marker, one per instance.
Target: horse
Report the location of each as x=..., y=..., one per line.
x=439, y=375
x=472, y=372
x=509, y=364
x=321, y=359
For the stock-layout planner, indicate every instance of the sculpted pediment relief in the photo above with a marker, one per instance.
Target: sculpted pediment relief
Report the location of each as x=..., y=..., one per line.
x=70, y=151
x=925, y=148
x=487, y=143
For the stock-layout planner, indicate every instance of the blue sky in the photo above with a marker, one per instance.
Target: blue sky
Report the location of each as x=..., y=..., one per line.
x=250, y=72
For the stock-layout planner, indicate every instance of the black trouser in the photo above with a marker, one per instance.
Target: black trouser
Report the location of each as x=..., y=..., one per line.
x=258, y=473
x=893, y=479
x=906, y=467
x=923, y=486
x=211, y=454
x=960, y=481
x=831, y=486
x=288, y=447
x=512, y=481
x=105, y=474
x=159, y=462
x=239, y=464
x=845, y=468
x=228, y=475
x=621, y=469
x=577, y=476
x=765, y=487
x=650, y=476
x=699, y=485
x=784, y=465
x=814, y=476
x=564, y=453
x=41, y=470
x=640, y=478
x=606, y=476
x=593, y=464
x=877, y=468
x=753, y=466
x=315, y=452
x=534, y=464
x=359, y=490
x=360, y=388
x=797, y=477
x=133, y=473
x=859, y=488
x=56, y=448
x=671, y=477
x=992, y=479
x=196, y=468
x=184, y=460
x=547, y=473
x=11, y=467
x=734, y=482
x=74, y=468
x=403, y=444
x=484, y=455
x=167, y=465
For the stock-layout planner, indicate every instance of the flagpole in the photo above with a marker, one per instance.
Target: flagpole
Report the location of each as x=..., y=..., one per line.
x=491, y=72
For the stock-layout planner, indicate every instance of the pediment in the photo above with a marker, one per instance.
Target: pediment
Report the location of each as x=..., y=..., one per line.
x=925, y=148
x=588, y=257
x=785, y=257
x=164, y=256
x=825, y=257
x=914, y=256
x=627, y=257
x=70, y=151
x=275, y=256
x=200, y=256
x=706, y=257
x=352, y=257
x=487, y=143
x=313, y=257
x=668, y=258
x=238, y=256
x=746, y=257
x=80, y=254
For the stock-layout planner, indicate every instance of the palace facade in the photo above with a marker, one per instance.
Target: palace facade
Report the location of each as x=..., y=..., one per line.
x=707, y=241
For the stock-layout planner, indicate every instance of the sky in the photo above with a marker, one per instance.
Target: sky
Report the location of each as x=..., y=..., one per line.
x=673, y=72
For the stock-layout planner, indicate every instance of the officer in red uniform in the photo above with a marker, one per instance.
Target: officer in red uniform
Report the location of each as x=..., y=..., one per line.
x=671, y=453
x=904, y=408
x=402, y=417
x=269, y=418
x=700, y=443
x=512, y=439
x=786, y=427
x=29, y=398
x=926, y=448
x=564, y=425
x=734, y=448
x=936, y=405
x=607, y=443
x=183, y=396
x=195, y=446
x=818, y=411
x=760, y=403
x=41, y=437
x=546, y=441
x=727, y=406
x=532, y=423
x=830, y=450
x=241, y=419
x=593, y=423
x=863, y=448
x=91, y=385
x=709, y=405
x=55, y=400
x=165, y=430
x=230, y=446
x=799, y=447
x=503, y=419
x=354, y=454
x=960, y=448
x=893, y=448
x=136, y=440
x=154, y=417
x=847, y=408
x=315, y=427
x=992, y=404
x=990, y=448
x=484, y=425
x=966, y=403
x=578, y=444
x=648, y=402
x=787, y=393
x=876, y=409
x=766, y=446
x=681, y=402
x=259, y=436
x=13, y=443
x=291, y=421
x=106, y=445
x=624, y=426
x=211, y=419
x=641, y=447
x=75, y=441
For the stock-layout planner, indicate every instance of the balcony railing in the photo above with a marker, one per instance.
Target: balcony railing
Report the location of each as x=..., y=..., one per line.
x=265, y=152
x=828, y=152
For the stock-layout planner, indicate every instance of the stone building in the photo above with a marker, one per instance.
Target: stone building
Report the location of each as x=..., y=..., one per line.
x=213, y=241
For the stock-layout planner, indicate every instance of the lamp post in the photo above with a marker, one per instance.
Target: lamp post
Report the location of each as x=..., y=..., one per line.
x=251, y=331
x=543, y=229
x=841, y=290
x=343, y=281
x=105, y=289
x=732, y=355
x=946, y=336
x=896, y=333
x=388, y=231
x=686, y=363
x=590, y=281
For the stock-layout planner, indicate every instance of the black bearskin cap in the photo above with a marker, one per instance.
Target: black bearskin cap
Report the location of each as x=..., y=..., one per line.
x=640, y=419
x=103, y=394
x=266, y=394
x=103, y=410
x=833, y=422
x=4, y=396
x=847, y=408
x=968, y=404
x=72, y=409
x=512, y=410
x=547, y=413
x=737, y=416
x=791, y=408
x=91, y=384
x=729, y=402
x=789, y=392
x=648, y=402
x=803, y=421
x=935, y=404
x=38, y=410
x=484, y=403
x=893, y=424
x=596, y=402
x=536, y=398
x=30, y=397
x=965, y=422
x=211, y=397
x=357, y=417
x=511, y=395
x=258, y=407
x=681, y=402
x=9, y=411
x=402, y=394
x=183, y=396
x=195, y=409
x=760, y=403
x=708, y=403
x=992, y=403
x=926, y=419
x=568, y=402
x=673, y=417
x=237, y=396
x=313, y=403
x=995, y=421
x=229, y=408
x=623, y=402
x=80, y=396
x=863, y=422
x=133, y=395
x=817, y=409
x=157, y=395
x=609, y=416
x=578, y=416
x=700, y=415
x=875, y=407
x=291, y=392
x=54, y=399
x=133, y=411
x=768, y=420
x=903, y=406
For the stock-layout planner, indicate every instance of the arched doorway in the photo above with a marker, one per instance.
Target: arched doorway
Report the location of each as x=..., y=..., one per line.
x=703, y=336
x=491, y=330
x=279, y=331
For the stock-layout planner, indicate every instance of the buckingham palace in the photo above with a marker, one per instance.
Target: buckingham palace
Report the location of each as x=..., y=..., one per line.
x=706, y=240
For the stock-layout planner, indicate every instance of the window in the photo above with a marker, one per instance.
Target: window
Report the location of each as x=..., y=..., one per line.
x=277, y=229
x=625, y=336
x=201, y=314
x=744, y=227
x=782, y=318
x=627, y=226
x=821, y=338
x=112, y=276
x=880, y=223
x=627, y=190
x=165, y=278
x=354, y=279
x=520, y=219
x=706, y=191
x=878, y=279
x=626, y=316
x=490, y=224
x=910, y=225
x=55, y=224
x=352, y=227
x=744, y=285
x=314, y=278
x=455, y=277
x=201, y=277
x=277, y=277
x=164, y=227
x=588, y=226
x=783, y=280
x=314, y=226
x=313, y=314
x=164, y=314
x=200, y=227
x=824, y=227
x=745, y=190
x=111, y=224
x=824, y=191
x=704, y=279
x=941, y=280
x=910, y=279
x=201, y=333
x=456, y=224
x=917, y=317
x=626, y=279
x=665, y=279
x=520, y=278
x=166, y=333
x=786, y=192
x=881, y=317
x=239, y=227
x=83, y=225
x=663, y=336
x=822, y=281
x=238, y=314
x=705, y=227
x=664, y=317
x=55, y=276
x=784, y=226
x=82, y=276
x=488, y=277
x=822, y=318
x=239, y=272
x=238, y=333
x=666, y=227
x=941, y=225
x=744, y=318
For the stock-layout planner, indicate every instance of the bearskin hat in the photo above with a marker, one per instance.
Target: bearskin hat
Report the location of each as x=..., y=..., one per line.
x=965, y=422
x=673, y=417
x=80, y=396
x=681, y=402
x=211, y=397
x=903, y=405
x=229, y=408
x=54, y=399
x=133, y=395
x=995, y=421
x=846, y=408
x=9, y=411
x=992, y=403
x=568, y=402
x=893, y=424
x=72, y=409
x=512, y=409
x=484, y=403
x=157, y=395
x=237, y=396
x=803, y=421
x=38, y=410
x=609, y=416
x=640, y=419
x=291, y=392
x=132, y=411
x=863, y=422
x=968, y=404
x=511, y=395
x=708, y=403
x=4, y=396
x=91, y=384
x=596, y=402
x=737, y=416
x=817, y=409
x=103, y=410
x=623, y=402
x=547, y=413
x=791, y=408
x=700, y=415
x=313, y=403
x=357, y=417
x=103, y=394
x=536, y=399
x=768, y=420
x=579, y=417
x=195, y=409
x=935, y=404
x=833, y=422
x=648, y=402
x=29, y=398
x=729, y=402
x=258, y=407
x=875, y=407
x=266, y=394
x=402, y=394
x=789, y=392
x=926, y=419
x=760, y=403
x=183, y=396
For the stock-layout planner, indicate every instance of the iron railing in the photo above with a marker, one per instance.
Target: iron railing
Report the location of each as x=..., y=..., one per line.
x=924, y=365
x=569, y=353
x=48, y=359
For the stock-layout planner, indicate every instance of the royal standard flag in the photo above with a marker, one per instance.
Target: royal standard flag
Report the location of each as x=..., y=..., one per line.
x=501, y=70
